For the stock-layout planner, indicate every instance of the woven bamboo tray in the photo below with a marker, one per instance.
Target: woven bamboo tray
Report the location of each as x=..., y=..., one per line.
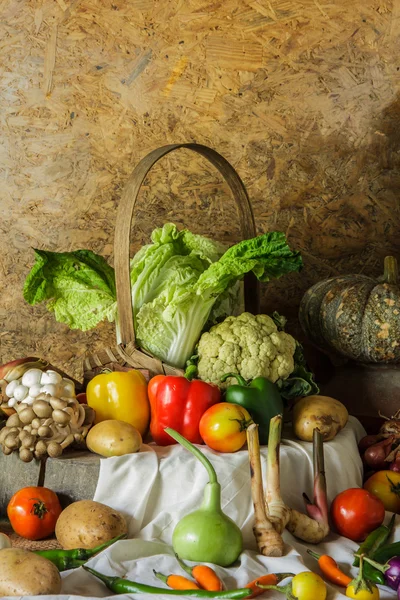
x=127, y=353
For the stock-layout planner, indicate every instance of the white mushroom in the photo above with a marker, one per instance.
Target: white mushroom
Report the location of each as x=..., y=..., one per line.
x=50, y=376
x=20, y=393
x=11, y=387
x=49, y=388
x=35, y=390
x=28, y=401
x=31, y=377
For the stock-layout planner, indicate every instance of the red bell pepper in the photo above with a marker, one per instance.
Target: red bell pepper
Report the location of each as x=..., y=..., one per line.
x=179, y=403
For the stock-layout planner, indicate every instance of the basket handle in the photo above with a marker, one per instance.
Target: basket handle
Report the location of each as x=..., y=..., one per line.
x=124, y=220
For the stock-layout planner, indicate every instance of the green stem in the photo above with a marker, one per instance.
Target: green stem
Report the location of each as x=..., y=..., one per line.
x=391, y=273
x=284, y=589
x=97, y=549
x=394, y=487
x=314, y=554
x=108, y=580
x=161, y=577
x=241, y=381
x=359, y=583
x=243, y=423
x=378, y=566
x=185, y=567
x=212, y=498
x=190, y=372
x=212, y=476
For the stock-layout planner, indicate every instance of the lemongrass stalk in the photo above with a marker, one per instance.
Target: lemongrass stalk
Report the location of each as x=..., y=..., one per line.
x=278, y=512
x=314, y=527
x=269, y=541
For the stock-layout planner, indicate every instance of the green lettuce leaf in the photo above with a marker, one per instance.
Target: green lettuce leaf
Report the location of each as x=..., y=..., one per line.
x=170, y=325
x=181, y=284
x=153, y=265
x=79, y=287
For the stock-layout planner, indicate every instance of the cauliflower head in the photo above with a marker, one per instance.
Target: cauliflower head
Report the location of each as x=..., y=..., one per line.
x=250, y=345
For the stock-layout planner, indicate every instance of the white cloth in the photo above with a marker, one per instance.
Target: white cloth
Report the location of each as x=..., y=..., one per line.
x=158, y=486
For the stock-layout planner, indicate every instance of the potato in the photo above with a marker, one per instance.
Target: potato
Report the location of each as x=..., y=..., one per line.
x=113, y=438
x=87, y=524
x=24, y=573
x=328, y=414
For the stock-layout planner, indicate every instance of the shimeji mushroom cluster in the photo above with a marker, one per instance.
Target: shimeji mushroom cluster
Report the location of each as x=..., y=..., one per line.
x=48, y=417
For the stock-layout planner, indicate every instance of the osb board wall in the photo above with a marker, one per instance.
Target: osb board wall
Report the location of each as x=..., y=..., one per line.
x=301, y=97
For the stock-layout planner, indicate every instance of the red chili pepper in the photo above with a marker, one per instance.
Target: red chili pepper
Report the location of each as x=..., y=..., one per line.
x=179, y=403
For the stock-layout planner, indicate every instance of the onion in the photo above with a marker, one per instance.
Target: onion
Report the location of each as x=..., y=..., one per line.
x=375, y=456
x=369, y=440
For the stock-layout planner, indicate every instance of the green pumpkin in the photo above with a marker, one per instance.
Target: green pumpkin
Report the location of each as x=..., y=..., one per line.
x=355, y=316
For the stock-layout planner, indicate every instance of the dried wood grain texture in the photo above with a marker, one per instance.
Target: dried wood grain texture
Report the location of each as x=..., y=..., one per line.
x=301, y=96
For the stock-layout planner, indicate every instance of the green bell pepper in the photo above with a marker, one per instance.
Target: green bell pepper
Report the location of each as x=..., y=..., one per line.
x=260, y=397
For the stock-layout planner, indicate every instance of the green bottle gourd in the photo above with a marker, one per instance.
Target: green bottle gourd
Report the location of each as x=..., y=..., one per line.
x=207, y=534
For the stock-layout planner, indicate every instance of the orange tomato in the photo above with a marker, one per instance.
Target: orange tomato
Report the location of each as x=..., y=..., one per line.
x=33, y=512
x=386, y=486
x=223, y=427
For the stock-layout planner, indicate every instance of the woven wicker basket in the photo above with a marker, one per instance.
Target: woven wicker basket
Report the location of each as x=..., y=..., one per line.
x=127, y=354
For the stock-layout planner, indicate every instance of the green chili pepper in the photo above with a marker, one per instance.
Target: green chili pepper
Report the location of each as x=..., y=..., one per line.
x=260, y=397
x=375, y=540
x=71, y=559
x=387, y=552
x=124, y=586
x=373, y=574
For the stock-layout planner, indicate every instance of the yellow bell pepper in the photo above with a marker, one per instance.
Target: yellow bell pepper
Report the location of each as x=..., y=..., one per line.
x=122, y=396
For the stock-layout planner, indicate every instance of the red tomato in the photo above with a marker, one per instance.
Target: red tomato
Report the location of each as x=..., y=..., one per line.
x=355, y=513
x=33, y=512
x=223, y=426
x=386, y=486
